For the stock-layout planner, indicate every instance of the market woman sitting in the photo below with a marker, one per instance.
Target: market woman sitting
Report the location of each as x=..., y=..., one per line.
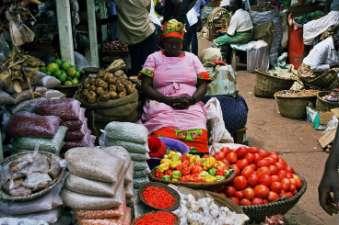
x=174, y=82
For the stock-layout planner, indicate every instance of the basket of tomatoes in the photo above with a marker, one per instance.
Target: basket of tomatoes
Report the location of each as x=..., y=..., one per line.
x=192, y=171
x=264, y=184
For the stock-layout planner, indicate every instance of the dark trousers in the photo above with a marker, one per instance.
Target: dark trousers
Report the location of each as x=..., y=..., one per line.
x=140, y=51
x=226, y=52
x=191, y=40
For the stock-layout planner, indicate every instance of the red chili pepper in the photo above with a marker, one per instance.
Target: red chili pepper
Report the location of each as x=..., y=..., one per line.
x=157, y=218
x=158, y=197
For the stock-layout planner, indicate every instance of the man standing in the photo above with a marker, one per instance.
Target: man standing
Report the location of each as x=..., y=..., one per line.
x=136, y=29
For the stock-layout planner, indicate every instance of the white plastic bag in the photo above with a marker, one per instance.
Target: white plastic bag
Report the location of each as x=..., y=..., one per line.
x=218, y=133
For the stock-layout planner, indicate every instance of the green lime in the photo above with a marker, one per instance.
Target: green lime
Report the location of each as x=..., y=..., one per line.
x=57, y=73
x=63, y=77
x=43, y=69
x=66, y=66
x=75, y=81
x=78, y=74
x=59, y=62
x=52, y=68
x=68, y=83
x=72, y=72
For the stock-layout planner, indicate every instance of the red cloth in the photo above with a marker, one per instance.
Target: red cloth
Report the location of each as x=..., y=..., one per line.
x=157, y=147
x=295, y=46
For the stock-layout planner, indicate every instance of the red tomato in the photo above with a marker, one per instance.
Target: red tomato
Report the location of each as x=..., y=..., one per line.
x=256, y=157
x=272, y=196
x=232, y=157
x=235, y=200
x=241, y=152
x=298, y=182
x=265, y=180
x=276, y=186
x=264, y=201
x=286, y=195
x=248, y=193
x=219, y=155
x=239, y=194
x=293, y=188
x=282, y=174
x=245, y=202
x=289, y=175
x=289, y=169
x=230, y=191
x=226, y=162
x=236, y=169
x=280, y=165
x=252, y=179
x=273, y=169
x=252, y=149
x=240, y=182
x=275, y=178
x=274, y=156
x=242, y=163
x=257, y=201
x=249, y=157
x=263, y=170
x=263, y=162
x=263, y=153
x=261, y=191
x=247, y=171
x=285, y=184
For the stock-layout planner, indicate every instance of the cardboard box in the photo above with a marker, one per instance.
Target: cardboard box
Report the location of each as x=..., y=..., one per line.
x=325, y=117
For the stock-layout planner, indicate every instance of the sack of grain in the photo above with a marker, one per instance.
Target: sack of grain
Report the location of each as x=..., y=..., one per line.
x=129, y=132
x=140, y=166
x=129, y=146
x=94, y=164
x=101, y=214
x=137, y=183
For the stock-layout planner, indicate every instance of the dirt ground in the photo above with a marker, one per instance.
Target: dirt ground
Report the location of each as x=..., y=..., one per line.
x=296, y=141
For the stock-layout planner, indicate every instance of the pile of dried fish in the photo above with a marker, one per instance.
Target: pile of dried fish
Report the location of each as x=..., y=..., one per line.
x=29, y=174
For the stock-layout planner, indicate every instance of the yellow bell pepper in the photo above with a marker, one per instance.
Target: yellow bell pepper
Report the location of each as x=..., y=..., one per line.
x=174, y=163
x=208, y=162
x=163, y=167
x=165, y=161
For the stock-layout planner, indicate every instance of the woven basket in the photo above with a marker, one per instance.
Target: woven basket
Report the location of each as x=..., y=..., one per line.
x=325, y=81
x=173, y=192
x=266, y=85
x=293, y=107
x=204, y=186
x=324, y=105
x=5, y=197
x=258, y=213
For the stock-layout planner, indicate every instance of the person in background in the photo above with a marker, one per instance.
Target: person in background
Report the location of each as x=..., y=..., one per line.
x=177, y=9
x=175, y=82
x=329, y=185
x=193, y=25
x=136, y=29
x=112, y=12
x=323, y=58
x=240, y=30
x=315, y=28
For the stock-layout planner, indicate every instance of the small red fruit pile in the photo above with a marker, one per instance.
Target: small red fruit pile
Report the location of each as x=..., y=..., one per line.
x=261, y=176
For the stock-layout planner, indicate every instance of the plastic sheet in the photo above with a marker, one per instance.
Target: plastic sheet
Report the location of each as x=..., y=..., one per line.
x=17, y=221
x=26, y=124
x=94, y=164
x=66, y=109
x=53, y=145
x=50, y=216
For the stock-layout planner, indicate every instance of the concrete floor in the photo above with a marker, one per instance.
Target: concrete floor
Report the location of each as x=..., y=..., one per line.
x=296, y=141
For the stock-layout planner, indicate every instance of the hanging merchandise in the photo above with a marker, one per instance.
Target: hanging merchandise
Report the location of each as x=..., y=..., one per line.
x=295, y=46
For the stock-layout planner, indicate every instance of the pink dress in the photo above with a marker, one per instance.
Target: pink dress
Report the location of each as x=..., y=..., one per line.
x=174, y=76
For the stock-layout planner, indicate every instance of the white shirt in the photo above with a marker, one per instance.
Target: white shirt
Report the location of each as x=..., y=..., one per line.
x=240, y=22
x=322, y=56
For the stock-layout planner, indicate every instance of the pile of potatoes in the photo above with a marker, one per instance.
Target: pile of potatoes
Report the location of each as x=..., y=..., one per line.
x=106, y=86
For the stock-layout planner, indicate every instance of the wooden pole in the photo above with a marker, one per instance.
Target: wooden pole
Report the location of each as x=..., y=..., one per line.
x=65, y=30
x=92, y=30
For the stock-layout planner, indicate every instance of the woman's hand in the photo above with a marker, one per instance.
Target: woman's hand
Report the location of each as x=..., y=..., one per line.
x=181, y=102
x=329, y=192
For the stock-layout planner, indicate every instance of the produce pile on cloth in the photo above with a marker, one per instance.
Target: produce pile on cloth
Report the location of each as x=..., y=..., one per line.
x=175, y=167
x=98, y=185
x=30, y=174
x=261, y=176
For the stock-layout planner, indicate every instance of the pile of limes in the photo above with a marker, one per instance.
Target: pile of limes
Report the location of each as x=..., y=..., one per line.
x=65, y=72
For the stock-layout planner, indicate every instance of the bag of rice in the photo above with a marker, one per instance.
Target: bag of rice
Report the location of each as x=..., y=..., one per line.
x=101, y=214
x=140, y=166
x=94, y=164
x=129, y=146
x=129, y=132
x=137, y=183
x=53, y=145
x=139, y=157
x=66, y=109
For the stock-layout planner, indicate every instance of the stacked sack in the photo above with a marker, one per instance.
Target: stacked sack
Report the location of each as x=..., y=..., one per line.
x=23, y=198
x=29, y=130
x=96, y=188
x=132, y=137
x=72, y=117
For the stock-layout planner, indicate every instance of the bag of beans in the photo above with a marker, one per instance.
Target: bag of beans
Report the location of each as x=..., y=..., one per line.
x=125, y=131
x=101, y=214
x=66, y=109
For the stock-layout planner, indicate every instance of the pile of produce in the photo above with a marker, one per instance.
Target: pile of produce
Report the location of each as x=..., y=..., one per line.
x=159, y=197
x=108, y=84
x=29, y=174
x=297, y=94
x=175, y=167
x=262, y=176
x=66, y=73
x=115, y=46
x=157, y=218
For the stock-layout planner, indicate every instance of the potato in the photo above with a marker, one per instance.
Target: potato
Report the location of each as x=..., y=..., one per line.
x=91, y=97
x=105, y=97
x=119, y=73
x=122, y=94
x=113, y=95
x=101, y=83
x=100, y=91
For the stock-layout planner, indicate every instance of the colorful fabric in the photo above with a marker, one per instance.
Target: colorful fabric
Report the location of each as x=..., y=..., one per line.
x=196, y=139
x=238, y=38
x=173, y=29
x=174, y=77
x=157, y=147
